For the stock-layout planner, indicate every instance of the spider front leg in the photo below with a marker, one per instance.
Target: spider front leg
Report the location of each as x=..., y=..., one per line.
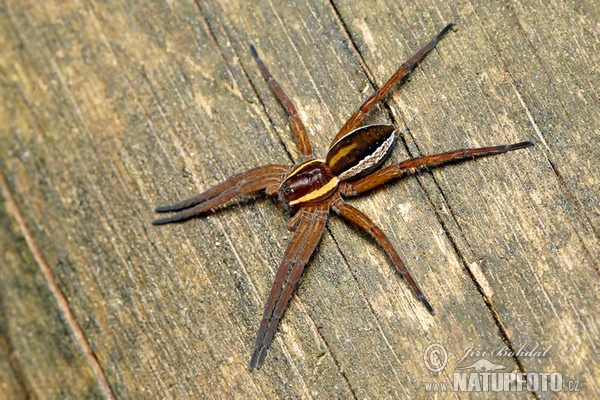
x=262, y=178
x=309, y=229
x=412, y=165
x=359, y=219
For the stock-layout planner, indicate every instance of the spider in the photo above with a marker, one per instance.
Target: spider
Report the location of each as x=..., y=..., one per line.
x=314, y=187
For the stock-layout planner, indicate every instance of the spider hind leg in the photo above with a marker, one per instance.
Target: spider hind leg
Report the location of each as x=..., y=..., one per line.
x=417, y=164
x=407, y=66
x=359, y=219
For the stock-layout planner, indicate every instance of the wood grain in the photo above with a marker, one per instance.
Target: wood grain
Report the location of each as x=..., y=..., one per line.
x=109, y=109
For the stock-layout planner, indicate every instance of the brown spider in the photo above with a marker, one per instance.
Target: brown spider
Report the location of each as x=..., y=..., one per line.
x=315, y=186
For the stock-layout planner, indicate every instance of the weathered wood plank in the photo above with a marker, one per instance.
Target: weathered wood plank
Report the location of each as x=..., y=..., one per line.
x=109, y=109
x=501, y=219
x=39, y=355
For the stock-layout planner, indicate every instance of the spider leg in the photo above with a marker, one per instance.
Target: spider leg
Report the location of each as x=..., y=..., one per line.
x=295, y=121
x=359, y=115
x=413, y=165
x=268, y=177
x=303, y=243
x=355, y=216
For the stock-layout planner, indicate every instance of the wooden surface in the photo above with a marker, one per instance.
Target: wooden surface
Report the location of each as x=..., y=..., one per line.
x=111, y=108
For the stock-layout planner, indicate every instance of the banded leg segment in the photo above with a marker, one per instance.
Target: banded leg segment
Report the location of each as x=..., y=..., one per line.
x=412, y=165
x=295, y=121
x=359, y=115
x=306, y=237
x=359, y=219
x=268, y=177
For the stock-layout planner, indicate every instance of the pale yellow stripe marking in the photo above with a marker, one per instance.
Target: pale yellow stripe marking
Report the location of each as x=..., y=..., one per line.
x=343, y=152
x=315, y=194
x=369, y=160
x=294, y=172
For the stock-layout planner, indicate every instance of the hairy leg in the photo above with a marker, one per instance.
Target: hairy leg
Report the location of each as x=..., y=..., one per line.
x=295, y=121
x=307, y=235
x=268, y=177
x=413, y=165
x=359, y=219
x=359, y=115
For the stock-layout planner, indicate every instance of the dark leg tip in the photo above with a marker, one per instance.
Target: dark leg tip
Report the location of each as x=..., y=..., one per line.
x=426, y=304
x=162, y=209
x=160, y=221
x=253, y=50
x=518, y=146
x=446, y=29
x=257, y=359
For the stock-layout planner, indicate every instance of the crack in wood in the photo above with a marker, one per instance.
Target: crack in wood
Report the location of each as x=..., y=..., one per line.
x=61, y=300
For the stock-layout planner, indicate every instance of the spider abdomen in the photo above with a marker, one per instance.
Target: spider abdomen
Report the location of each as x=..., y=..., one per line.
x=309, y=183
x=361, y=151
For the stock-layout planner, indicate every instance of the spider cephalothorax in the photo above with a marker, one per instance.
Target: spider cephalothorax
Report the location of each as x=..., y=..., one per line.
x=315, y=187
x=309, y=183
x=354, y=155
